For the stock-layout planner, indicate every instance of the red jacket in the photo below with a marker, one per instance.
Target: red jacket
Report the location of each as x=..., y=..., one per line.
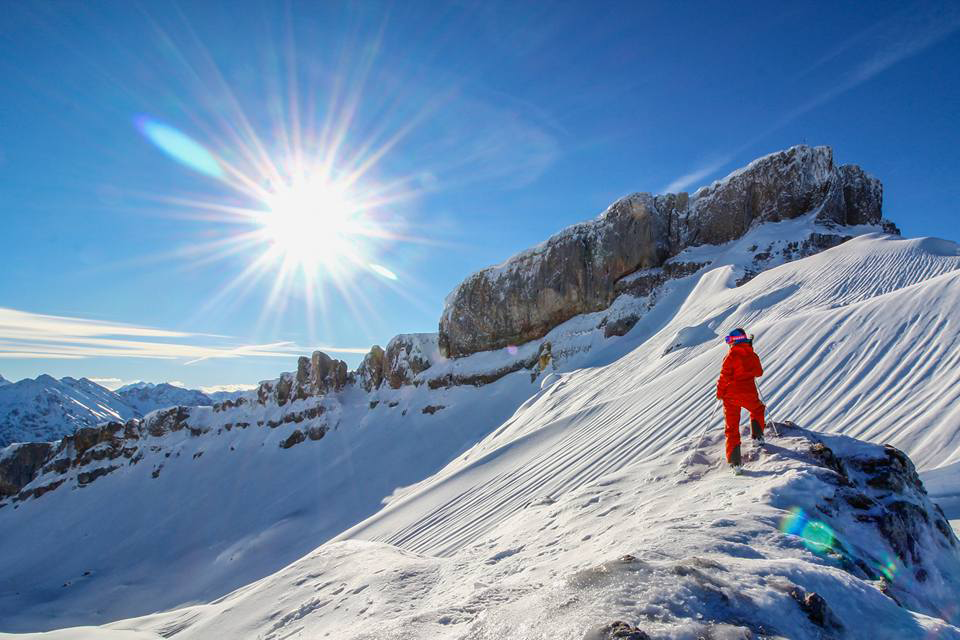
x=740, y=367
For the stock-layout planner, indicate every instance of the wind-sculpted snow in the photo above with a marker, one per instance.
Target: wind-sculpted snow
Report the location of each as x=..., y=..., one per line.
x=822, y=537
x=858, y=340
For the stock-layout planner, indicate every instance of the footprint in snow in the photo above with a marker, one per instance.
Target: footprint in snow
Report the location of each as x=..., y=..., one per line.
x=506, y=553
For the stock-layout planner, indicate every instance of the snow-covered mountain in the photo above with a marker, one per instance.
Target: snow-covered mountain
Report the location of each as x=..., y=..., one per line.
x=224, y=396
x=551, y=488
x=3, y=381
x=145, y=397
x=44, y=409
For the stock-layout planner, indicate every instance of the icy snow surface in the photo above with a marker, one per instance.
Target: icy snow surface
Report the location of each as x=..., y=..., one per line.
x=519, y=535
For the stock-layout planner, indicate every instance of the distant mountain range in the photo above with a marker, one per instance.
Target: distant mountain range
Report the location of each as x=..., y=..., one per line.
x=45, y=408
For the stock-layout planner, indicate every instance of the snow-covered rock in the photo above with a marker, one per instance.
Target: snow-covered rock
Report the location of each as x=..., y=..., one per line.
x=577, y=271
x=407, y=356
x=145, y=397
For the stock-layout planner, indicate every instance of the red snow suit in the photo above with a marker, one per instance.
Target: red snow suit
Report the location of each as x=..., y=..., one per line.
x=737, y=389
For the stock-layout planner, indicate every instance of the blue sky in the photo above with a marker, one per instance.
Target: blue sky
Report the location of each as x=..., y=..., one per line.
x=463, y=131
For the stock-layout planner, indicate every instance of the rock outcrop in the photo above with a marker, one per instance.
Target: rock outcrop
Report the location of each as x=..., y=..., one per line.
x=370, y=372
x=407, y=355
x=19, y=464
x=315, y=376
x=577, y=271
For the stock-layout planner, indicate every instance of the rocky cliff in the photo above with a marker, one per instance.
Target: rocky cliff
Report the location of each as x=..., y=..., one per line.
x=577, y=270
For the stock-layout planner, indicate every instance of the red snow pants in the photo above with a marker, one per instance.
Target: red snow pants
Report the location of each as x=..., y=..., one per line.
x=731, y=415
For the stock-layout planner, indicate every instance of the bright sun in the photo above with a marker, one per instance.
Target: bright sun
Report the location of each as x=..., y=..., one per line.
x=314, y=225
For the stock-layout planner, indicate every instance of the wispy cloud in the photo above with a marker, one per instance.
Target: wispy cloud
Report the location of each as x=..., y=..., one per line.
x=697, y=175
x=228, y=387
x=26, y=335
x=889, y=42
x=894, y=42
x=109, y=383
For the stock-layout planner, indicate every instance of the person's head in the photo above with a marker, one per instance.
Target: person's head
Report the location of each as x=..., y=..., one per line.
x=737, y=336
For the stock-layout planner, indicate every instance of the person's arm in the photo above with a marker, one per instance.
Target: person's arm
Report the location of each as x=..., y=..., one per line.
x=757, y=368
x=726, y=375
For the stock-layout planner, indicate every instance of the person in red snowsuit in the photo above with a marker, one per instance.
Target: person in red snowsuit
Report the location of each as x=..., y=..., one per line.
x=737, y=390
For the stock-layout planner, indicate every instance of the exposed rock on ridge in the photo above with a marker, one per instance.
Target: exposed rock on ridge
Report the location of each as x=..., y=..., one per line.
x=576, y=271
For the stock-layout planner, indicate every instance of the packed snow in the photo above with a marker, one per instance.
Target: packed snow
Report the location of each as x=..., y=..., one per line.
x=509, y=512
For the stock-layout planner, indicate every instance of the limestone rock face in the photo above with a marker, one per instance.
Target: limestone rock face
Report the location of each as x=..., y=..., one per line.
x=571, y=273
x=408, y=355
x=316, y=375
x=371, y=369
x=576, y=271
x=20, y=463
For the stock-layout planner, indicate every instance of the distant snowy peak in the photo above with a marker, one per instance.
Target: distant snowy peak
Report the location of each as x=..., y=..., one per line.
x=135, y=385
x=145, y=397
x=46, y=409
x=4, y=381
x=231, y=395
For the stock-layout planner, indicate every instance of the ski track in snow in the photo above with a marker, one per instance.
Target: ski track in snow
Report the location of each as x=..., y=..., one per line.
x=506, y=539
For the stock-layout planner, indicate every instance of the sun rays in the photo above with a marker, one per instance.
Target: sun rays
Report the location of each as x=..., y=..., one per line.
x=300, y=205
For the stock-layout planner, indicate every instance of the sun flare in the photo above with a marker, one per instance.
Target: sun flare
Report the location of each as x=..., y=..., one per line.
x=314, y=225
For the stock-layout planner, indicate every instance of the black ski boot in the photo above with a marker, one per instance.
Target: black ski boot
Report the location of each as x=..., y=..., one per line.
x=756, y=433
x=736, y=463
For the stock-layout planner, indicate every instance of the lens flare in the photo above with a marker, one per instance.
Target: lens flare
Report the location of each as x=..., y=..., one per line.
x=179, y=146
x=381, y=270
x=888, y=568
x=817, y=536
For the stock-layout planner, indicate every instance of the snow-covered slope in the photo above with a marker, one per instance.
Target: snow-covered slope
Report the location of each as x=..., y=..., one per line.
x=44, y=409
x=858, y=340
x=145, y=397
x=824, y=537
x=4, y=381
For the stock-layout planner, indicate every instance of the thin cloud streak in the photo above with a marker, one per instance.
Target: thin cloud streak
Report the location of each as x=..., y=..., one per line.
x=228, y=387
x=898, y=40
x=25, y=335
x=110, y=383
x=909, y=45
x=696, y=175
